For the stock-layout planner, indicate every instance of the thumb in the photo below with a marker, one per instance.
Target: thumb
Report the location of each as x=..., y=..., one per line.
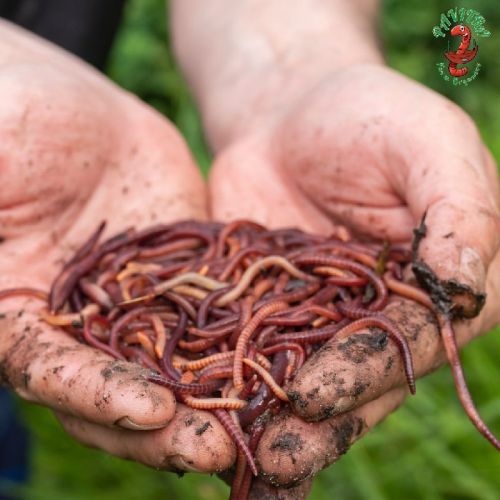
x=457, y=188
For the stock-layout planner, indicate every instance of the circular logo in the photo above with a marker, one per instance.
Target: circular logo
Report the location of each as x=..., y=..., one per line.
x=462, y=26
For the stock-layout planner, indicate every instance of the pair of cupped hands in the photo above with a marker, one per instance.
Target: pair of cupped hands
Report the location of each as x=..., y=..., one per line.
x=367, y=148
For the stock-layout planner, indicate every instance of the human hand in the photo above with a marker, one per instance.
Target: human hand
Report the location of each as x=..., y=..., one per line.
x=75, y=150
x=371, y=150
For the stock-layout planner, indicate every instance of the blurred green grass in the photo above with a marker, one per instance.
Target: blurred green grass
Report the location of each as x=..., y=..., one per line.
x=428, y=449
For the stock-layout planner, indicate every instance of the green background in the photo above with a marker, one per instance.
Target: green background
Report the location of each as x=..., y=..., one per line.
x=428, y=449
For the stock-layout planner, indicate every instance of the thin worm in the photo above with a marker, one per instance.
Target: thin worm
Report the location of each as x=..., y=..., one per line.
x=172, y=342
x=213, y=372
x=254, y=269
x=69, y=318
x=198, y=364
x=24, y=291
x=93, y=341
x=246, y=334
x=201, y=317
x=308, y=336
x=180, y=388
x=267, y=378
x=408, y=291
x=236, y=434
x=358, y=269
x=450, y=345
x=214, y=403
x=397, y=337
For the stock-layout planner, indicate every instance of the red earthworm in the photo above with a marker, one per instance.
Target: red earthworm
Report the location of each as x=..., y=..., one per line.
x=246, y=334
x=239, y=474
x=214, y=403
x=278, y=319
x=294, y=296
x=139, y=356
x=68, y=318
x=262, y=287
x=285, y=346
x=343, y=250
x=237, y=258
x=237, y=436
x=196, y=345
x=450, y=345
x=258, y=405
x=172, y=342
x=146, y=344
x=182, y=303
x=76, y=300
x=191, y=292
x=210, y=334
x=323, y=295
x=247, y=390
x=201, y=318
x=397, y=337
x=180, y=388
x=281, y=283
x=296, y=320
x=395, y=269
x=198, y=364
x=264, y=334
x=213, y=372
x=408, y=291
x=267, y=378
x=230, y=228
x=245, y=315
x=23, y=291
x=126, y=318
x=66, y=281
x=93, y=341
x=352, y=311
x=167, y=271
x=351, y=281
x=127, y=286
x=191, y=278
x=242, y=490
x=125, y=255
x=254, y=269
x=161, y=334
x=262, y=361
x=354, y=267
x=169, y=248
x=96, y=293
x=308, y=336
x=87, y=246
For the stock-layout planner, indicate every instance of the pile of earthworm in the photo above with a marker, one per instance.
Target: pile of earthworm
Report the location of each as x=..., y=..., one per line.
x=225, y=315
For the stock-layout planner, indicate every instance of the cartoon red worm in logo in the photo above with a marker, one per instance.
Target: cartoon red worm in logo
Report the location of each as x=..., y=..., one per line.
x=461, y=55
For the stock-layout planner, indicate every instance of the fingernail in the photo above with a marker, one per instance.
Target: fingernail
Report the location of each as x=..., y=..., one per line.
x=128, y=423
x=471, y=270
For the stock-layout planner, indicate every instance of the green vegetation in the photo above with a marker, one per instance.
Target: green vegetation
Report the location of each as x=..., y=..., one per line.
x=428, y=449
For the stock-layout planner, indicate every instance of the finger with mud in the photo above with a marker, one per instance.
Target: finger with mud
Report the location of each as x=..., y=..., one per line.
x=193, y=441
x=46, y=366
x=292, y=451
x=349, y=372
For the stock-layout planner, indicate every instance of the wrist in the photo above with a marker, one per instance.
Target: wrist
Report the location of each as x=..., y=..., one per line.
x=257, y=62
